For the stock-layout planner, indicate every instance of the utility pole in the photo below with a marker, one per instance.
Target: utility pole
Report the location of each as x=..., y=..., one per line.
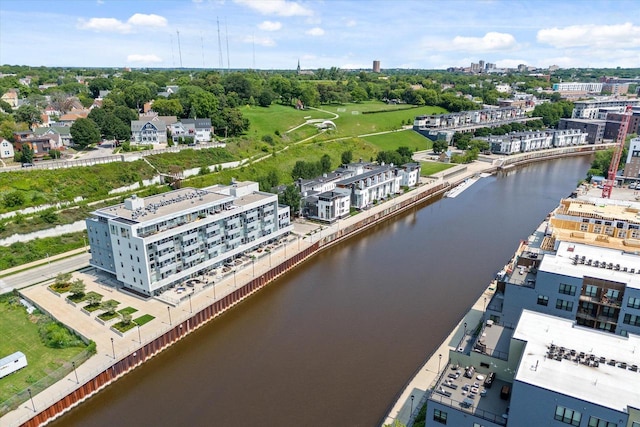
x=179, y=49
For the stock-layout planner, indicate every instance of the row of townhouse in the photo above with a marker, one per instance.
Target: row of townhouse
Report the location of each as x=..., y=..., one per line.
x=152, y=129
x=524, y=142
x=489, y=117
x=356, y=185
x=151, y=244
x=560, y=337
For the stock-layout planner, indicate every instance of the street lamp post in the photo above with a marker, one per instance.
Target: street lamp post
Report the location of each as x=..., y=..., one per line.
x=139, y=337
x=113, y=348
x=190, y=306
x=253, y=266
x=439, y=360
x=169, y=311
x=234, y=279
x=75, y=372
x=485, y=304
x=410, y=413
x=465, y=328
x=31, y=397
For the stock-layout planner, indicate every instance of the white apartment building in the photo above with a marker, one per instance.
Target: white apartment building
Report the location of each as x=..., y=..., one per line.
x=524, y=142
x=577, y=87
x=154, y=243
x=371, y=186
x=589, y=109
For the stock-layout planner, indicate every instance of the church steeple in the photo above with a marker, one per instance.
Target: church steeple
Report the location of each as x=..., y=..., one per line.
x=298, y=69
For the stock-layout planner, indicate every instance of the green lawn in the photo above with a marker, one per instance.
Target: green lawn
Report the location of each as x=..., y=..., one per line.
x=265, y=121
x=45, y=365
x=146, y=318
x=429, y=168
x=406, y=138
x=128, y=310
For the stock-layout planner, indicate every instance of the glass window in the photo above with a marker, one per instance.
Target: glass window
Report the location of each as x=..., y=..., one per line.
x=591, y=291
x=632, y=320
x=633, y=302
x=564, y=305
x=440, y=416
x=568, y=416
x=567, y=289
x=597, y=422
x=543, y=300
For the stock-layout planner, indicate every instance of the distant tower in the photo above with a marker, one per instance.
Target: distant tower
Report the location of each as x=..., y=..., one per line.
x=298, y=69
x=376, y=66
x=481, y=64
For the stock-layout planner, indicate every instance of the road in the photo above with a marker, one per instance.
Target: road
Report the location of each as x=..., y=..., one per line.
x=43, y=272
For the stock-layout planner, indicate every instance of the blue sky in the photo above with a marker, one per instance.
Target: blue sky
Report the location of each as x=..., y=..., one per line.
x=275, y=34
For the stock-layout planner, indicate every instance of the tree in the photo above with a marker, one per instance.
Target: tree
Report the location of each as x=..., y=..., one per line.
x=265, y=98
x=346, y=157
x=126, y=318
x=85, y=132
x=13, y=199
x=270, y=181
x=168, y=107
x=27, y=153
x=98, y=84
x=78, y=287
x=325, y=163
x=61, y=280
x=440, y=146
x=93, y=298
x=136, y=95
x=28, y=114
x=291, y=197
x=109, y=306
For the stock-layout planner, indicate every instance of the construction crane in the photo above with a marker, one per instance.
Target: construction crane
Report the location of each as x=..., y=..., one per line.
x=610, y=182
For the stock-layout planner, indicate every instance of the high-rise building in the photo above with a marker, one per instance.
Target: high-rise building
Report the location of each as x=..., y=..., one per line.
x=376, y=66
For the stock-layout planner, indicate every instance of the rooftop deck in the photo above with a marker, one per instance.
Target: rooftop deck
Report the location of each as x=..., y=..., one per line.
x=461, y=388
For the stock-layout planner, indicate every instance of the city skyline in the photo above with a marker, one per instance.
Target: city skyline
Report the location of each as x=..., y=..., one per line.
x=275, y=34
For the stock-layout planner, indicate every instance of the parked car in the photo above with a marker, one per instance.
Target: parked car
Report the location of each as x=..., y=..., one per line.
x=632, y=186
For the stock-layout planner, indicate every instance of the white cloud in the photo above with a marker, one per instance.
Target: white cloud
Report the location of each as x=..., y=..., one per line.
x=511, y=63
x=317, y=31
x=276, y=7
x=142, y=20
x=261, y=41
x=602, y=36
x=351, y=23
x=113, y=25
x=143, y=58
x=491, y=41
x=270, y=26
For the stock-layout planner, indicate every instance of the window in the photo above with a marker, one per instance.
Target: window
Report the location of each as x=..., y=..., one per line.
x=568, y=416
x=591, y=291
x=567, y=289
x=584, y=227
x=633, y=302
x=543, y=300
x=632, y=320
x=564, y=305
x=613, y=294
x=597, y=422
x=440, y=416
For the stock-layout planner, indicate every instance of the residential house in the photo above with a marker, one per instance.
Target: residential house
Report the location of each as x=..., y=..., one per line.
x=62, y=134
x=169, y=90
x=6, y=149
x=146, y=132
x=11, y=97
x=69, y=118
x=373, y=185
x=198, y=129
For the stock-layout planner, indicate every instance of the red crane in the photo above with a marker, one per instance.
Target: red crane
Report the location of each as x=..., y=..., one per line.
x=610, y=182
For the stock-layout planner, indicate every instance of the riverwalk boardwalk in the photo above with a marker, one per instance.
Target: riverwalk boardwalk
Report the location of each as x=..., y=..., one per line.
x=176, y=314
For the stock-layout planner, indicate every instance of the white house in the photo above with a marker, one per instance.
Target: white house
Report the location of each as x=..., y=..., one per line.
x=148, y=132
x=6, y=149
x=198, y=129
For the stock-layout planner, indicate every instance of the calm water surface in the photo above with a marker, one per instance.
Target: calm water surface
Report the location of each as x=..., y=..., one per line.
x=335, y=341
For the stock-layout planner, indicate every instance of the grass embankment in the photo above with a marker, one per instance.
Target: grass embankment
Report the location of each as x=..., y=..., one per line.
x=429, y=168
x=394, y=140
x=48, y=346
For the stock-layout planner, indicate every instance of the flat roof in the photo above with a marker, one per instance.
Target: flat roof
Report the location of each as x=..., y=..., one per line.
x=562, y=263
x=247, y=199
x=607, y=385
x=166, y=204
x=610, y=209
x=365, y=175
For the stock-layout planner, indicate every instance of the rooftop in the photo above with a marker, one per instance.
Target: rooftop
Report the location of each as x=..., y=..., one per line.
x=464, y=389
x=167, y=204
x=612, y=265
x=552, y=360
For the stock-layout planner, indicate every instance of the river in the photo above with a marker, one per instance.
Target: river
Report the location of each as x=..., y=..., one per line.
x=333, y=342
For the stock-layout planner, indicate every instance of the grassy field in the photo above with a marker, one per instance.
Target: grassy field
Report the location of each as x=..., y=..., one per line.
x=406, y=138
x=265, y=121
x=429, y=168
x=283, y=162
x=24, y=252
x=20, y=332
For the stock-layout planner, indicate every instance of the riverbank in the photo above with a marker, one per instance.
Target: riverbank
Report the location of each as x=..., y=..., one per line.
x=181, y=313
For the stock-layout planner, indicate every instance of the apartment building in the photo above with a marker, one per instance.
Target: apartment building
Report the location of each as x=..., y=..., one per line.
x=592, y=127
x=584, y=267
x=589, y=109
x=523, y=142
x=552, y=373
x=150, y=244
x=577, y=87
x=632, y=166
x=487, y=117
